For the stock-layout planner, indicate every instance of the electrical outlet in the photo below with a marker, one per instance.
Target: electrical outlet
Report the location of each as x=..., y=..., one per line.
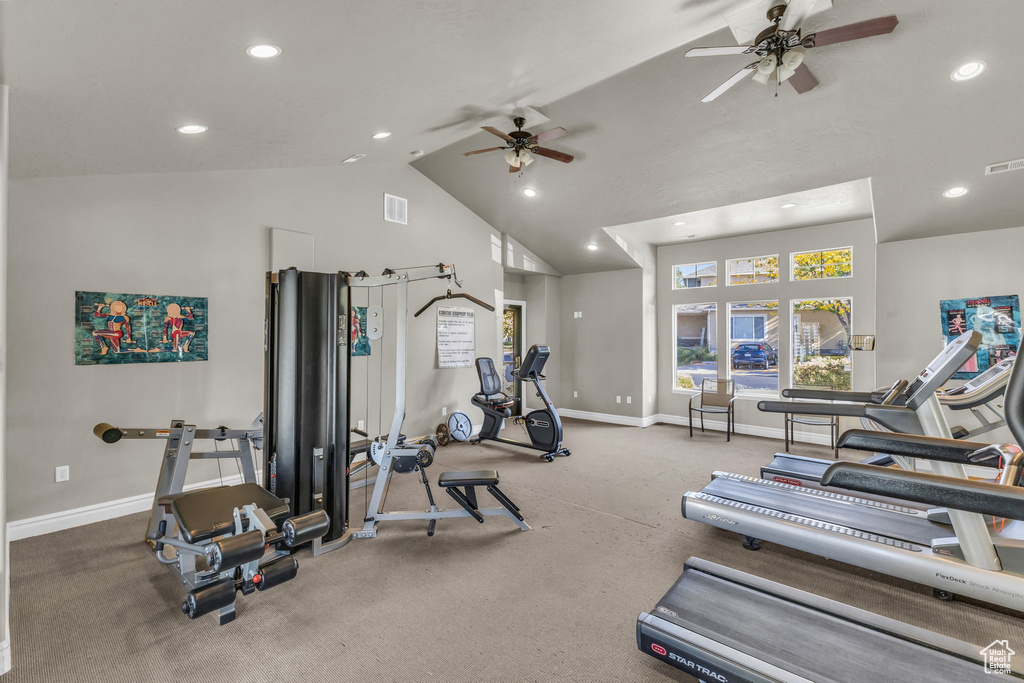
x=618, y=399
x=361, y=426
x=629, y=399
x=444, y=410
x=62, y=473
x=575, y=394
x=581, y=314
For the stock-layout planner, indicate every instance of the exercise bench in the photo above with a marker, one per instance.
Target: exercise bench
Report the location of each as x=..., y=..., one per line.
x=469, y=481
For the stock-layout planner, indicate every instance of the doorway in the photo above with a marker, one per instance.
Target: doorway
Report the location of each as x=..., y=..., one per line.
x=513, y=334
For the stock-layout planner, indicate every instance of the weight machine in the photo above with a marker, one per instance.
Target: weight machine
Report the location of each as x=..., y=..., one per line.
x=308, y=376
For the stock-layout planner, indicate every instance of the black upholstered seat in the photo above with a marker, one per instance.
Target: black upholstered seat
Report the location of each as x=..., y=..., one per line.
x=208, y=513
x=472, y=478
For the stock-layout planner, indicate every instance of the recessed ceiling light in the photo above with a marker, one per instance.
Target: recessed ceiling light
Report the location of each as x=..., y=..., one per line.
x=263, y=51
x=955, y=192
x=381, y=135
x=592, y=247
x=966, y=72
x=192, y=129
x=679, y=223
x=417, y=153
x=529, y=192
x=354, y=158
x=789, y=205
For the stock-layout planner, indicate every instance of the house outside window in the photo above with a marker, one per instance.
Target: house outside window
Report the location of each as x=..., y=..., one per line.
x=753, y=270
x=693, y=275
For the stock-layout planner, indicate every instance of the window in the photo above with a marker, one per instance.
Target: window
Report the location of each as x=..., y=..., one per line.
x=754, y=346
x=821, y=343
x=696, y=344
x=695, y=275
x=817, y=265
x=753, y=270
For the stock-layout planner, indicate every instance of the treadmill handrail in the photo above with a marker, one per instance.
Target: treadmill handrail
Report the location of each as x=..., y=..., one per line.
x=829, y=395
x=835, y=409
x=914, y=446
x=951, y=492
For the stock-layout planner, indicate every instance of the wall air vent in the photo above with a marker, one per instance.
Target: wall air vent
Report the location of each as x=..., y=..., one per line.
x=396, y=209
x=1004, y=166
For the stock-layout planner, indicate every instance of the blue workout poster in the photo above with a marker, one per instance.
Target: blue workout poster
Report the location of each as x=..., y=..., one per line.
x=997, y=318
x=111, y=329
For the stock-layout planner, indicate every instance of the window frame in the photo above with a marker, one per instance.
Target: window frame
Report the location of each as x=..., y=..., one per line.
x=754, y=273
x=793, y=267
x=675, y=274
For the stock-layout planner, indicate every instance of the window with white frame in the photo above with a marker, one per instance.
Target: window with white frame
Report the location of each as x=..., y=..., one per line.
x=753, y=270
x=692, y=275
x=822, y=264
x=754, y=346
x=821, y=343
x=696, y=345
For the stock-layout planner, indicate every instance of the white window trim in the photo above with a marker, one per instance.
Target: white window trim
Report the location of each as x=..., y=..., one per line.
x=793, y=266
x=728, y=270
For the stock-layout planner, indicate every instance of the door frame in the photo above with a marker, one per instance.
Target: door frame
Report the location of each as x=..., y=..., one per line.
x=522, y=324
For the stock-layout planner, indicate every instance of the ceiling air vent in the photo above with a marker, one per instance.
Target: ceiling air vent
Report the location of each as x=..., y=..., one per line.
x=396, y=209
x=1004, y=166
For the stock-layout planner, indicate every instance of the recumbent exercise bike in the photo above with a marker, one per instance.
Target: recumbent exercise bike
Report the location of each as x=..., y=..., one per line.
x=543, y=426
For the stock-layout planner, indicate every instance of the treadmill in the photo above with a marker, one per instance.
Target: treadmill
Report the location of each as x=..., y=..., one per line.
x=964, y=557
x=977, y=395
x=723, y=625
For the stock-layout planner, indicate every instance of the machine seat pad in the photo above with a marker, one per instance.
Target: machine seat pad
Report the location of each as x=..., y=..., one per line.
x=165, y=501
x=207, y=513
x=473, y=478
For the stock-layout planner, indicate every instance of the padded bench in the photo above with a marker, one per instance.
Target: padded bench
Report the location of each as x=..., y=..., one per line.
x=208, y=513
x=467, y=498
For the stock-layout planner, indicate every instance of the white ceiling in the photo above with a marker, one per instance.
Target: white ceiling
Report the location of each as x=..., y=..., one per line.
x=820, y=206
x=98, y=86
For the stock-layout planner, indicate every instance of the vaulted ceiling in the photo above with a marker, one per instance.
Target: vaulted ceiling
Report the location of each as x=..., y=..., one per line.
x=98, y=87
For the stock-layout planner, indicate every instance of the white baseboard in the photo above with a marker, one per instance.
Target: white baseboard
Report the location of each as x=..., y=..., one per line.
x=89, y=514
x=5, y=656
x=821, y=438
x=605, y=417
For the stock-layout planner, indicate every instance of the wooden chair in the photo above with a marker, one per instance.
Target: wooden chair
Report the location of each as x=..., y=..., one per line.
x=716, y=396
x=832, y=422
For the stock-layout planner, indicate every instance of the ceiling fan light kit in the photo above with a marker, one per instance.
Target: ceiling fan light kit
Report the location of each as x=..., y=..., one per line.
x=782, y=46
x=522, y=147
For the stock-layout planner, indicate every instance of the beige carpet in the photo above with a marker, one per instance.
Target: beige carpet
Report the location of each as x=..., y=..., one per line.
x=477, y=602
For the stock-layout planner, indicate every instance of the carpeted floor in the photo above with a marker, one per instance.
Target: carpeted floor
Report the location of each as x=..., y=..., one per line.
x=477, y=602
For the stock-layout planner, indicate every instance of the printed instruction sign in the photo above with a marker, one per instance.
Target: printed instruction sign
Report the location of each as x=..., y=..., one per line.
x=456, y=337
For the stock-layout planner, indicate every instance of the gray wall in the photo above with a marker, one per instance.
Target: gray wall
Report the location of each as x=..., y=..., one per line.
x=861, y=287
x=5, y=582
x=931, y=269
x=543, y=326
x=515, y=287
x=602, y=352
x=205, y=234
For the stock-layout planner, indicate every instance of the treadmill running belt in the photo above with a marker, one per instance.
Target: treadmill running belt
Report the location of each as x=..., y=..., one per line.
x=906, y=527
x=817, y=645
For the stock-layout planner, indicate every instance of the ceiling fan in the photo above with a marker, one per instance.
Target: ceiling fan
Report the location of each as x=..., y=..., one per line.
x=782, y=45
x=522, y=146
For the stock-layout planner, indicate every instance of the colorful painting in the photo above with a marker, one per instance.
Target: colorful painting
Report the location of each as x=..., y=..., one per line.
x=360, y=343
x=134, y=328
x=997, y=318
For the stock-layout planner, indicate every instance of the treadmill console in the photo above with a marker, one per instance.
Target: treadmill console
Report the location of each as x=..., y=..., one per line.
x=943, y=367
x=993, y=374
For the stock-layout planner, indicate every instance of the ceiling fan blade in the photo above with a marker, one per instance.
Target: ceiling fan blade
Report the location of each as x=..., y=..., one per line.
x=481, y=151
x=495, y=131
x=803, y=80
x=715, y=51
x=739, y=76
x=552, y=154
x=513, y=169
x=796, y=14
x=862, y=29
x=552, y=134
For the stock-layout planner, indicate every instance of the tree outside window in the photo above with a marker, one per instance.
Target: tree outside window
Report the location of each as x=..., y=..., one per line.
x=828, y=263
